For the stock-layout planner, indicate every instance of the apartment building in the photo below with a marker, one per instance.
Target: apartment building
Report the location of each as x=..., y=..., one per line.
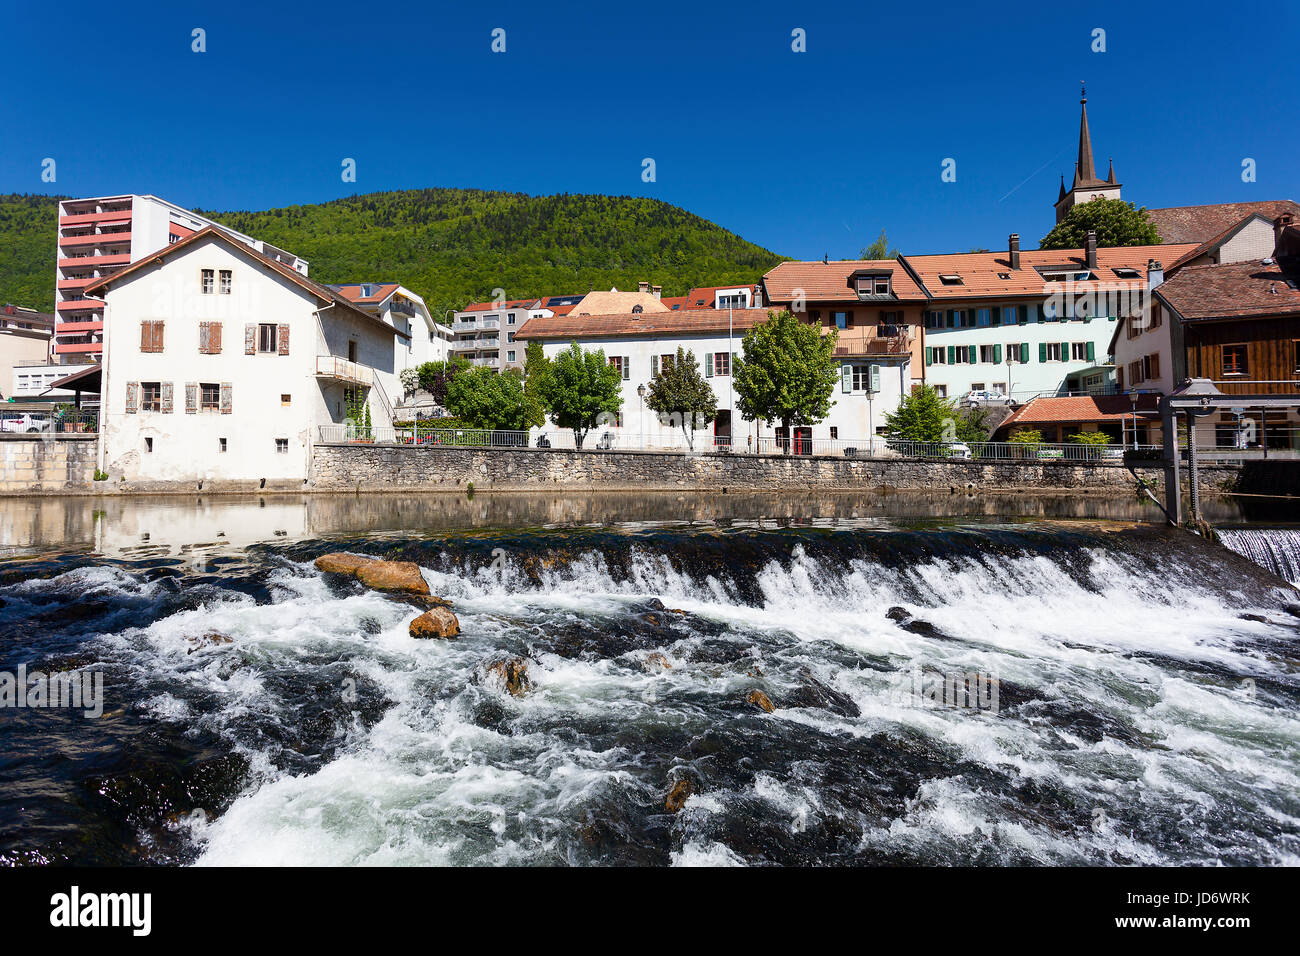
x=99, y=236
x=483, y=333
x=875, y=307
x=25, y=336
x=638, y=343
x=220, y=363
x=1033, y=323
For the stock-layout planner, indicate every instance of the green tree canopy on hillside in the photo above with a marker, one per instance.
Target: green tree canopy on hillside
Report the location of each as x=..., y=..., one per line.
x=787, y=373
x=680, y=393
x=1116, y=222
x=578, y=387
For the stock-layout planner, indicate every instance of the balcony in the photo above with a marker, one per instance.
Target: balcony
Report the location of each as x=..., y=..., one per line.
x=868, y=345
x=94, y=239
x=79, y=305
x=475, y=325
x=79, y=345
x=73, y=326
x=73, y=284
x=112, y=217
x=341, y=370
x=95, y=262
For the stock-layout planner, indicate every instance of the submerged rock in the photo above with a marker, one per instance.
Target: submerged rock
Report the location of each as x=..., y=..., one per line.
x=658, y=661
x=681, y=792
x=210, y=639
x=907, y=622
x=339, y=563
x=398, y=577
x=437, y=622
x=761, y=700
x=513, y=673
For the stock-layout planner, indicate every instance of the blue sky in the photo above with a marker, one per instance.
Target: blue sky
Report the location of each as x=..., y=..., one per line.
x=804, y=153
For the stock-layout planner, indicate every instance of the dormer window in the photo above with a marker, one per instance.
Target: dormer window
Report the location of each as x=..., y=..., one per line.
x=872, y=284
x=1124, y=272
x=1004, y=275
x=951, y=280
x=637, y=309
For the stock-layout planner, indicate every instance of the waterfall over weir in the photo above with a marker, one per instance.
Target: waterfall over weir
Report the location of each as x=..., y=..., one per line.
x=1273, y=549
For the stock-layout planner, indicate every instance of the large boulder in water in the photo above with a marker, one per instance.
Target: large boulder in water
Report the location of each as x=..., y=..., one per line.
x=398, y=577
x=513, y=674
x=678, y=795
x=339, y=563
x=438, y=622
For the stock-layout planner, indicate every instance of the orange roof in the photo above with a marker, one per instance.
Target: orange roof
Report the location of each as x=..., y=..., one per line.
x=1236, y=290
x=830, y=281
x=498, y=306
x=981, y=273
x=704, y=296
x=1080, y=408
x=352, y=291
x=664, y=324
x=324, y=293
x=677, y=302
x=1196, y=224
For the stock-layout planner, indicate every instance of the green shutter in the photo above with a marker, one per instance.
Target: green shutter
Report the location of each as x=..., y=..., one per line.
x=1042, y=351
x=929, y=355
x=846, y=378
x=952, y=355
x=973, y=356
x=997, y=355
x=874, y=378
x=1065, y=351
x=1092, y=352
x=1024, y=353
x=1034, y=313
x=708, y=365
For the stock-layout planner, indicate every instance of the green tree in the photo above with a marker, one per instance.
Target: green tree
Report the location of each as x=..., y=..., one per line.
x=972, y=425
x=923, y=416
x=578, y=387
x=1116, y=222
x=678, y=391
x=879, y=249
x=787, y=373
x=536, y=367
x=485, y=399
x=436, y=377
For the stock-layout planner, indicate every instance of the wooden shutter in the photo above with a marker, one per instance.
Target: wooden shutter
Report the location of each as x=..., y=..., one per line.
x=146, y=337
x=282, y=339
x=846, y=378
x=158, y=336
x=250, y=338
x=227, y=398
x=973, y=355
x=214, y=338
x=874, y=378
x=952, y=355
x=952, y=318
x=205, y=337
x=1092, y=351
x=997, y=315
x=1065, y=352
x=1042, y=351
x=708, y=365
x=1024, y=353
x=627, y=368
x=997, y=355
x=168, y=397
x=191, y=397
x=132, y=397
x=929, y=355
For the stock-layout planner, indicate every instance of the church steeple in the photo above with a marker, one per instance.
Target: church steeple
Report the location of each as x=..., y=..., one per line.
x=1087, y=172
x=1110, y=177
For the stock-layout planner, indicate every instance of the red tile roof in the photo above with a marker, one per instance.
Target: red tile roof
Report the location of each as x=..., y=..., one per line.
x=704, y=296
x=829, y=281
x=1082, y=408
x=663, y=324
x=497, y=307
x=352, y=291
x=982, y=272
x=676, y=301
x=1196, y=224
x=1236, y=290
x=322, y=292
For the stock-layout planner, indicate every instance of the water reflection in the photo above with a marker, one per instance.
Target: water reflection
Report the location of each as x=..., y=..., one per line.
x=171, y=525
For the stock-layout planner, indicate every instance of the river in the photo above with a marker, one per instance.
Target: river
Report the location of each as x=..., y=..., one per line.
x=1132, y=698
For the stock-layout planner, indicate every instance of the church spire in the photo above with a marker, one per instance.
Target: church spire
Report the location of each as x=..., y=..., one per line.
x=1086, y=171
x=1062, y=195
x=1110, y=177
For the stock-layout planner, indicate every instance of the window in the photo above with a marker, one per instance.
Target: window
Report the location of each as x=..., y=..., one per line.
x=736, y=300
x=1079, y=351
x=666, y=362
x=1013, y=352
x=721, y=363
x=148, y=445
x=862, y=378
x=510, y=320
x=977, y=386
x=989, y=353
x=983, y=317
x=841, y=320
x=209, y=338
x=282, y=446
x=890, y=324
x=225, y=281
x=933, y=319
x=951, y=280
x=209, y=397
x=835, y=433
x=266, y=340
x=209, y=278
x=510, y=336
x=1295, y=356
x=151, y=336
x=286, y=399
x=941, y=391
x=1151, y=366
x=1000, y=388
x=1054, y=353
x=151, y=396
x=624, y=365
x=221, y=446
x=1124, y=272
x=938, y=355
x=1234, y=360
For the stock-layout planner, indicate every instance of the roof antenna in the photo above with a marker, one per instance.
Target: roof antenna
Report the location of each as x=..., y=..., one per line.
x=826, y=258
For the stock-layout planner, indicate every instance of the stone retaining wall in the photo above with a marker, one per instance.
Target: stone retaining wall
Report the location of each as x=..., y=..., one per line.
x=58, y=463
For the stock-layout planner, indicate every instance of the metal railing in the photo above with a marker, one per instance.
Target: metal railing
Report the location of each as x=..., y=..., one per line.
x=332, y=366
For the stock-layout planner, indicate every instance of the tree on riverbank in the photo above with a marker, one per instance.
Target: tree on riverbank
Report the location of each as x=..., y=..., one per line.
x=787, y=374
x=577, y=387
x=485, y=399
x=925, y=416
x=681, y=396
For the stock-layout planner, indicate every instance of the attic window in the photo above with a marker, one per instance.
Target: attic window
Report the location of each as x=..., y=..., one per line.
x=1004, y=275
x=637, y=308
x=951, y=280
x=872, y=284
x=1124, y=272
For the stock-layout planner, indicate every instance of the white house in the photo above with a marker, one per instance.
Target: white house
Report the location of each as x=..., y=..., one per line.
x=425, y=339
x=639, y=342
x=223, y=363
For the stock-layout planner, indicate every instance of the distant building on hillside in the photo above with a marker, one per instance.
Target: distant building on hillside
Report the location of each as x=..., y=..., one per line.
x=25, y=336
x=97, y=237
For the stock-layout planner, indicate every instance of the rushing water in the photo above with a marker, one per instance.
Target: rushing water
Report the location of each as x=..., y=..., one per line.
x=1143, y=698
x=1274, y=549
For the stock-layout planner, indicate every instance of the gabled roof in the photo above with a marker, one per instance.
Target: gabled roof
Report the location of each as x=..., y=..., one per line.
x=981, y=273
x=676, y=302
x=379, y=291
x=614, y=302
x=1197, y=224
x=666, y=324
x=1236, y=290
x=823, y=281
x=1080, y=408
x=321, y=292
x=497, y=307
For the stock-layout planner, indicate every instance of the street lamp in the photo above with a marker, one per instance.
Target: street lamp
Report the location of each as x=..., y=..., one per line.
x=640, y=394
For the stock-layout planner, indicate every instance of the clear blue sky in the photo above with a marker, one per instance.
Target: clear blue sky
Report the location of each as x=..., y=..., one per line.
x=804, y=153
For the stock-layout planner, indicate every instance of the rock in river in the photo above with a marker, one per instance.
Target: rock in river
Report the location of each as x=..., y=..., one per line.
x=438, y=622
x=513, y=673
x=401, y=577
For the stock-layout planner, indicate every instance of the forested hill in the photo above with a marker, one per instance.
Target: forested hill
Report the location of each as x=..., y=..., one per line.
x=452, y=246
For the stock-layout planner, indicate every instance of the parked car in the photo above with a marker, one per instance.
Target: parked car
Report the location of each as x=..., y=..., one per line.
x=959, y=450
x=25, y=422
x=543, y=441
x=986, y=397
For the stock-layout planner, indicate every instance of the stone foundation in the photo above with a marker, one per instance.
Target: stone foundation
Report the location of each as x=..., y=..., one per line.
x=61, y=463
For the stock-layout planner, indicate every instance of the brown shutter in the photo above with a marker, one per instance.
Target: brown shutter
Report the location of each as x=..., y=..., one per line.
x=214, y=338
x=191, y=398
x=146, y=337
x=205, y=338
x=283, y=338
x=132, y=397
x=250, y=339
x=158, y=336
x=168, y=396
x=227, y=399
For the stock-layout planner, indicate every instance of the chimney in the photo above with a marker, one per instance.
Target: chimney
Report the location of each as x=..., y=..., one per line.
x=643, y=287
x=1014, y=245
x=1090, y=249
x=1279, y=227
x=657, y=291
x=1155, y=273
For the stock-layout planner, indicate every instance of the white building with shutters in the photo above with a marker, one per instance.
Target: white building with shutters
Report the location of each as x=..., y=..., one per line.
x=637, y=343
x=224, y=362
